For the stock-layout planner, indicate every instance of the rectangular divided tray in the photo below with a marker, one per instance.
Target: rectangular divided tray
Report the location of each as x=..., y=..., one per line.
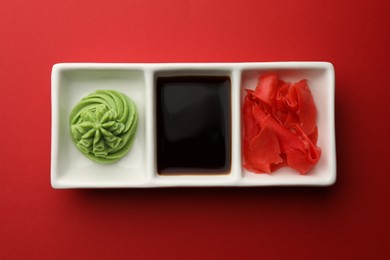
x=73, y=81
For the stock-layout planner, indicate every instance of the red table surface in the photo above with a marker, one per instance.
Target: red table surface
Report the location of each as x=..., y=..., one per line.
x=349, y=220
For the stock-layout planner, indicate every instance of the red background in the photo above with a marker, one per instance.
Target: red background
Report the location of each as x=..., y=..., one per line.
x=347, y=220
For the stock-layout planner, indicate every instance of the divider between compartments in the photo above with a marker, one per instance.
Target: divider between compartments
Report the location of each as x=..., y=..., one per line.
x=150, y=126
x=236, y=169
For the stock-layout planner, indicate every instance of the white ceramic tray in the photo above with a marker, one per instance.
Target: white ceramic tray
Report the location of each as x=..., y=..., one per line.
x=72, y=81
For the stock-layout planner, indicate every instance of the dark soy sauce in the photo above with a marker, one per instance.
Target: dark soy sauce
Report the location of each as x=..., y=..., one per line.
x=193, y=125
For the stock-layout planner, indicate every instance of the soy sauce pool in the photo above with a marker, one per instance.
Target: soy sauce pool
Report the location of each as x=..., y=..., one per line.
x=193, y=125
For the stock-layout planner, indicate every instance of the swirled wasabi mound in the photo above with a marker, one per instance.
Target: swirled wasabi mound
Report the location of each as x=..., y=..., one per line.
x=103, y=125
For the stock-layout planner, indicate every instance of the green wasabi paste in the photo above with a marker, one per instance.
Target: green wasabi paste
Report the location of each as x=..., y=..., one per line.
x=103, y=125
